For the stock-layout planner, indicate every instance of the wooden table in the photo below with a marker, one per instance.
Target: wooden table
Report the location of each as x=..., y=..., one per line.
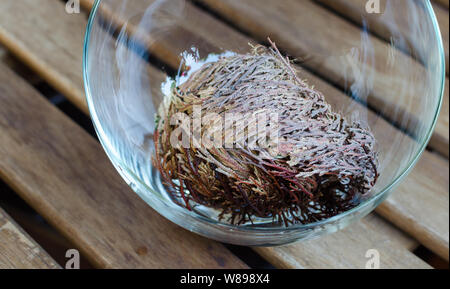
x=61, y=171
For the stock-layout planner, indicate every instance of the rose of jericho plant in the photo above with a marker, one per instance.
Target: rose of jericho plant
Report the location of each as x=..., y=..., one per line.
x=320, y=166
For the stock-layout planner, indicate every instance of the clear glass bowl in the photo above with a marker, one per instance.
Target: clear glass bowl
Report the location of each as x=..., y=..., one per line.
x=394, y=87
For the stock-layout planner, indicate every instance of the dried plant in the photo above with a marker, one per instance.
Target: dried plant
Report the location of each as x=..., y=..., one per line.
x=320, y=166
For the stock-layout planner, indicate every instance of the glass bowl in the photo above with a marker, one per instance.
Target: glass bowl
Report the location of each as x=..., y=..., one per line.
x=134, y=48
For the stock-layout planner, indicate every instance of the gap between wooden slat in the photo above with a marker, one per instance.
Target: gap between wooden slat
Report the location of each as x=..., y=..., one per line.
x=64, y=174
x=46, y=236
x=279, y=21
x=444, y=3
x=18, y=250
x=345, y=248
x=355, y=10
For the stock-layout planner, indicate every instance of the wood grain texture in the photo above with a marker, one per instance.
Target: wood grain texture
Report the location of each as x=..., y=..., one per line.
x=328, y=252
x=416, y=211
x=420, y=204
x=18, y=250
x=291, y=23
x=420, y=213
x=355, y=11
x=444, y=3
x=442, y=16
x=61, y=48
x=53, y=49
x=64, y=174
x=439, y=141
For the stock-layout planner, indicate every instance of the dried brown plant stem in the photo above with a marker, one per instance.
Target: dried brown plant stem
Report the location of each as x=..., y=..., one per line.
x=320, y=166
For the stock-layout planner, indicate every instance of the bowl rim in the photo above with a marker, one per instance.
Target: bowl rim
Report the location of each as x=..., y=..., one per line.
x=373, y=200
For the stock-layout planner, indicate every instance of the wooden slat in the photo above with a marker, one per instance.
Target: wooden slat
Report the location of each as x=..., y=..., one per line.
x=421, y=208
x=42, y=233
x=53, y=48
x=24, y=38
x=444, y=3
x=420, y=204
x=397, y=240
x=442, y=16
x=355, y=10
x=422, y=223
x=281, y=21
x=64, y=174
x=440, y=141
x=346, y=249
x=18, y=250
